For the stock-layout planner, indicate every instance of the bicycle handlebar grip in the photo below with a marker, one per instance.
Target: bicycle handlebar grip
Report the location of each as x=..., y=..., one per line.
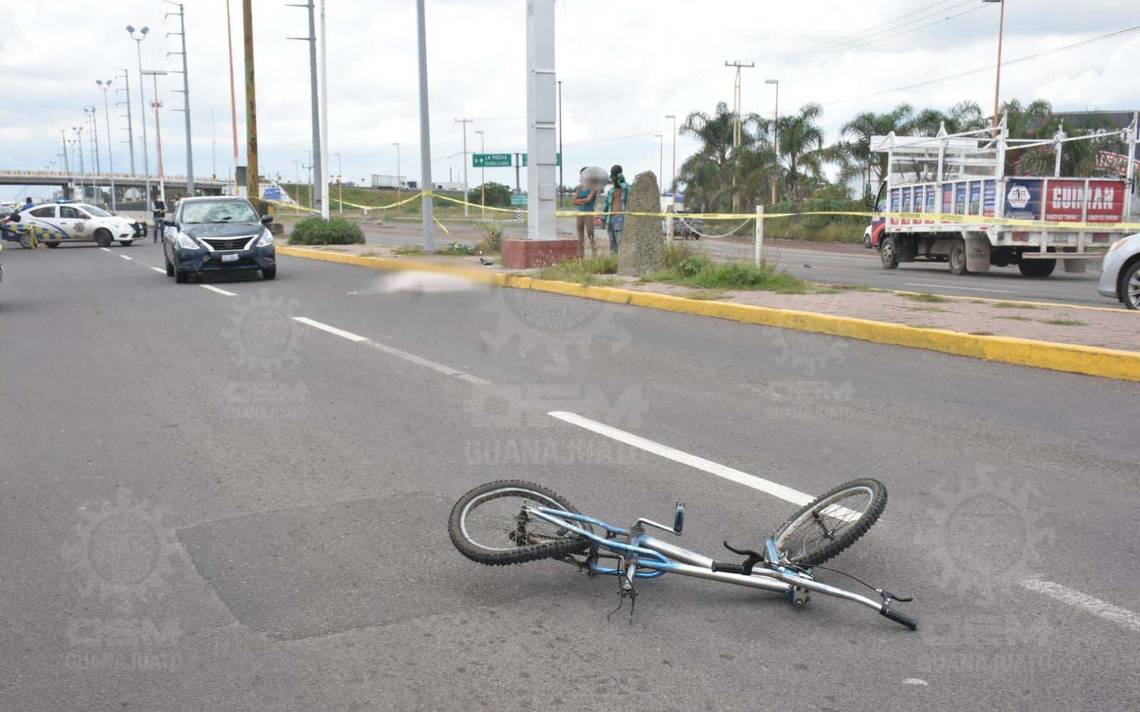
x=727, y=568
x=897, y=617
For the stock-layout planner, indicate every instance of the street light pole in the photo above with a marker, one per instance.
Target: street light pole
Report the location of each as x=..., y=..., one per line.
x=314, y=91
x=127, y=103
x=672, y=187
x=339, y=185
x=660, y=154
x=142, y=113
x=233, y=96
x=482, y=180
x=399, y=178
x=93, y=128
x=324, y=122
x=775, y=134
x=82, y=171
x=425, y=131
x=466, y=187
x=561, y=183
x=105, y=85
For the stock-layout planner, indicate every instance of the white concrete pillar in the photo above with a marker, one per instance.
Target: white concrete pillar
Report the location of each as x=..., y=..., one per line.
x=541, y=119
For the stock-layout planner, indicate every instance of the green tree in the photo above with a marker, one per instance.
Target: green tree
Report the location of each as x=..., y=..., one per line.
x=497, y=195
x=859, y=130
x=801, y=147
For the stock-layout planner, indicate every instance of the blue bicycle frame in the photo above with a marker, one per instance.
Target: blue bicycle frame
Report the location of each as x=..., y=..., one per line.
x=644, y=556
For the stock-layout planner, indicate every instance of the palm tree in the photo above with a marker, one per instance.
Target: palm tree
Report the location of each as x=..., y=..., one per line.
x=801, y=146
x=860, y=130
x=719, y=174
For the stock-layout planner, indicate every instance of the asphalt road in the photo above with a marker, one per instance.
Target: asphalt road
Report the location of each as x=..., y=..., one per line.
x=208, y=504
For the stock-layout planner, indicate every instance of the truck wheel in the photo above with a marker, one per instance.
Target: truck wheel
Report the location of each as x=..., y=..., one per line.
x=957, y=258
x=889, y=251
x=1037, y=268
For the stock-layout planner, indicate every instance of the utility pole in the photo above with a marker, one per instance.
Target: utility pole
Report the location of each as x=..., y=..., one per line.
x=518, y=165
x=466, y=187
x=127, y=103
x=82, y=171
x=561, y=183
x=142, y=113
x=997, y=80
x=253, y=185
x=325, y=170
x=775, y=134
x=154, y=74
x=105, y=85
x=425, y=131
x=399, y=178
x=63, y=144
x=482, y=179
x=314, y=91
x=185, y=93
x=339, y=185
x=213, y=146
x=93, y=128
x=233, y=99
x=674, y=177
x=737, y=128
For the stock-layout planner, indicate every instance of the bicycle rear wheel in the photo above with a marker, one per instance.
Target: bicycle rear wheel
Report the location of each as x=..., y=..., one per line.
x=489, y=525
x=833, y=522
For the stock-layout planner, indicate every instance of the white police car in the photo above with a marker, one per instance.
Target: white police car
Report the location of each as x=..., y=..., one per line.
x=80, y=222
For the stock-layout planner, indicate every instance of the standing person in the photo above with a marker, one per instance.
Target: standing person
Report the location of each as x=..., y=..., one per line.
x=27, y=203
x=617, y=201
x=585, y=198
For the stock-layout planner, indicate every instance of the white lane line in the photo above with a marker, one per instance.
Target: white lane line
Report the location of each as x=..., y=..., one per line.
x=713, y=468
x=392, y=351
x=961, y=289
x=159, y=269
x=216, y=290
x=105, y=249
x=1095, y=606
x=128, y=258
x=426, y=363
x=330, y=329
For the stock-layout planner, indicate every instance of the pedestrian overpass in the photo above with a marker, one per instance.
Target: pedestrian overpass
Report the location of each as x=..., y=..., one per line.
x=96, y=187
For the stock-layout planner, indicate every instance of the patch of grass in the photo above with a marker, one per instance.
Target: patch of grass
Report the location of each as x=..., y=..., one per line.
x=408, y=250
x=457, y=249
x=583, y=271
x=852, y=288
x=924, y=297
x=927, y=309
x=698, y=271
x=1012, y=305
x=371, y=254
x=1065, y=322
x=981, y=333
x=1014, y=318
x=492, y=242
x=705, y=294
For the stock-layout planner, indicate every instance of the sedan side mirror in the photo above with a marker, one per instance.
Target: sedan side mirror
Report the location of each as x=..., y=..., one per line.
x=266, y=219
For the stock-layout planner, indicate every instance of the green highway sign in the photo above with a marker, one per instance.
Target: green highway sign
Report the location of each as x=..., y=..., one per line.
x=491, y=160
x=518, y=199
x=558, y=160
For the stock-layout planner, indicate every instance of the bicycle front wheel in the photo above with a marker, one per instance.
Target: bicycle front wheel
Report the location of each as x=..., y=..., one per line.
x=490, y=525
x=830, y=524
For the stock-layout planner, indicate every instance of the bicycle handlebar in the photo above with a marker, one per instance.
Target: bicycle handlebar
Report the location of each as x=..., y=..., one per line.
x=897, y=617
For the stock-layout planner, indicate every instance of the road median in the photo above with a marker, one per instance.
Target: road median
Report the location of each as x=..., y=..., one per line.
x=1069, y=357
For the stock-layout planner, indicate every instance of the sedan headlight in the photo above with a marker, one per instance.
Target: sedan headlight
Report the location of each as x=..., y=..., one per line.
x=186, y=242
x=265, y=240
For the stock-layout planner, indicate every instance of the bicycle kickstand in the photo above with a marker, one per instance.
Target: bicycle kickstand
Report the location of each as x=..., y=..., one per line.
x=626, y=590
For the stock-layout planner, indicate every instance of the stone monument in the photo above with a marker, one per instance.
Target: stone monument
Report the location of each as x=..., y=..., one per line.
x=642, y=248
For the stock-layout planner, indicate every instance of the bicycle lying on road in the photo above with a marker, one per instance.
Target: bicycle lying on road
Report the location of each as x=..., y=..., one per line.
x=512, y=522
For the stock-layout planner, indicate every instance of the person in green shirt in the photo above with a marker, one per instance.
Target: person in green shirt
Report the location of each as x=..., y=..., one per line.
x=585, y=198
x=617, y=202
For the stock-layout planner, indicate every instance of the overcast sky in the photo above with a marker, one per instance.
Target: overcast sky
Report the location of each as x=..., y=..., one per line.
x=625, y=65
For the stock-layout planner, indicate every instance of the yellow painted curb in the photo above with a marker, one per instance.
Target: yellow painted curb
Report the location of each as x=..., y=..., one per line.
x=1073, y=358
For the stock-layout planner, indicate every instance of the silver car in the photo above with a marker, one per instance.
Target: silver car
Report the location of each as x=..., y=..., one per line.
x=1120, y=273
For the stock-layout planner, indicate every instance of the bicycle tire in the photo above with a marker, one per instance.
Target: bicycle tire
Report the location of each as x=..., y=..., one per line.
x=817, y=551
x=516, y=554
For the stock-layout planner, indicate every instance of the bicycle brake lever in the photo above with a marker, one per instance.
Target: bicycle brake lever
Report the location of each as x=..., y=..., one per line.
x=742, y=552
x=903, y=598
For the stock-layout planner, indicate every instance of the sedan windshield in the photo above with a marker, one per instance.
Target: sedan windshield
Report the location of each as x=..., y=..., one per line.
x=222, y=211
x=97, y=212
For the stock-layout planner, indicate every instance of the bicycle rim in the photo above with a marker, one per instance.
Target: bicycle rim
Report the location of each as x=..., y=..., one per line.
x=496, y=520
x=831, y=523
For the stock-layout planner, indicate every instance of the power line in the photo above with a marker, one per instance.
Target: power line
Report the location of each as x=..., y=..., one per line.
x=892, y=32
x=990, y=68
x=883, y=26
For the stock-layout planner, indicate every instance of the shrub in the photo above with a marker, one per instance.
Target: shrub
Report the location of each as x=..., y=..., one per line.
x=315, y=231
x=492, y=242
